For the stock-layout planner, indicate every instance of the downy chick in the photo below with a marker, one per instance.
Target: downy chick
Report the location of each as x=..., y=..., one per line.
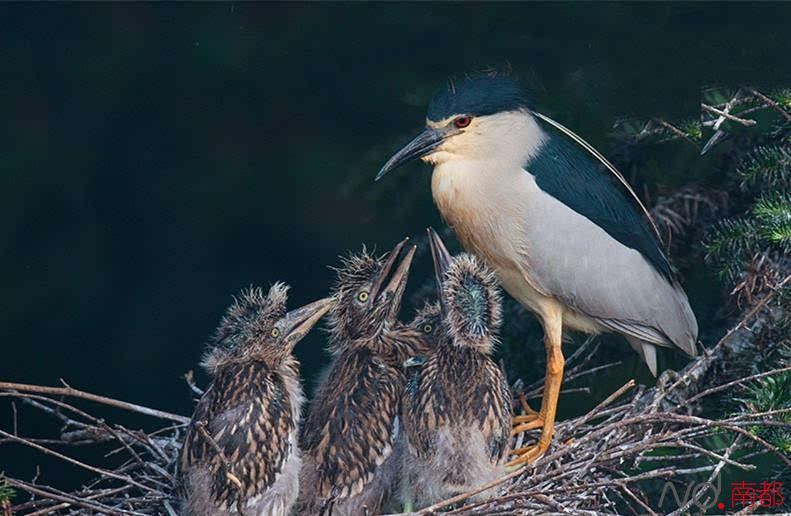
x=457, y=416
x=240, y=450
x=351, y=431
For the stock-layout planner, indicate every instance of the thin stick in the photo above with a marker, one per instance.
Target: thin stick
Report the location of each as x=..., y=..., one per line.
x=63, y=497
x=637, y=499
x=69, y=391
x=736, y=382
x=678, y=132
x=774, y=105
x=89, y=497
x=612, y=397
x=100, y=471
x=724, y=114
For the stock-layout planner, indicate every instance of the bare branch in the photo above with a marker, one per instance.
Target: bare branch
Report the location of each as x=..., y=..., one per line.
x=69, y=391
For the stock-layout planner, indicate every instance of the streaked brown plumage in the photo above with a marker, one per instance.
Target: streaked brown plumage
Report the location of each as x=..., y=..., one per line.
x=427, y=321
x=457, y=415
x=351, y=431
x=250, y=412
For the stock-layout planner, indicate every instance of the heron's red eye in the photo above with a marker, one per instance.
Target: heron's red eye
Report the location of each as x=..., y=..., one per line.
x=462, y=121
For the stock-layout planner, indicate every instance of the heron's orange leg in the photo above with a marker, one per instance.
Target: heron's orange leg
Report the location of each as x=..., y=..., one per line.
x=546, y=418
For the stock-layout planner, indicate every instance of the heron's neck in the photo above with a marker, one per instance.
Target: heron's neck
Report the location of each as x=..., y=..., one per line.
x=477, y=193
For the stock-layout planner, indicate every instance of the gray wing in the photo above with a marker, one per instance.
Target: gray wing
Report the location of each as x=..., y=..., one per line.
x=576, y=261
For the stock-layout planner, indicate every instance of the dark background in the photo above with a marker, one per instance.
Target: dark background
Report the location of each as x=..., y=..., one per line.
x=155, y=159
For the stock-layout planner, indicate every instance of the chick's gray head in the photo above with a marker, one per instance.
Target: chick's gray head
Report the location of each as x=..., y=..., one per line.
x=368, y=294
x=428, y=321
x=257, y=327
x=474, y=307
x=470, y=301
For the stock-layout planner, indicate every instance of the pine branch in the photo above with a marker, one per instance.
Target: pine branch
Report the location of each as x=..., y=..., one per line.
x=766, y=166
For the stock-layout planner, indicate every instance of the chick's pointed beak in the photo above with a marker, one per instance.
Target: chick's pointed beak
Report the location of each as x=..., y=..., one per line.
x=439, y=254
x=297, y=323
x=421, y=145
x=376, y=288
x=395, y=289
x=392, y=292
x=442, y=260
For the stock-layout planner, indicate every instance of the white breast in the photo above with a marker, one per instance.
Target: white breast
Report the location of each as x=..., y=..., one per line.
x=477, y=199
x=494, y=208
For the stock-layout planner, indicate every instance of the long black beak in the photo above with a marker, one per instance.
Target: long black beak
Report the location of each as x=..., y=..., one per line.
x=297, y=323
x=394, y=290
x=422, y=144
x=442, y=260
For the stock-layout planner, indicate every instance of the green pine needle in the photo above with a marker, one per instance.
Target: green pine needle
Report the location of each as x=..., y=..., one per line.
x=782, y=97
x=770, y=394
x=6, y=492
x=769, y=166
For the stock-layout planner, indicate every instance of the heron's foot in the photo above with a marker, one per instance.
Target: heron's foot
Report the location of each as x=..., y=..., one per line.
x=511, y=469
x=529, y=420
x=529, y=454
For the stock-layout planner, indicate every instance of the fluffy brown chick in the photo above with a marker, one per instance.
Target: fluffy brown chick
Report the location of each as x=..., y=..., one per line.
x=240, y=450
x=351, y=430
x=457, y=414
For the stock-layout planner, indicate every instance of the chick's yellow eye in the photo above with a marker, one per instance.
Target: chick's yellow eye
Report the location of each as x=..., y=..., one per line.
x=362, y=297
x=427, y=328
x=275, y=332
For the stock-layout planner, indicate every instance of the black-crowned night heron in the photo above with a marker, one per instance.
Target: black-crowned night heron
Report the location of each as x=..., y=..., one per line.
x=350, y=434
x=240, y=449
x=457, y=416
x=540, y=207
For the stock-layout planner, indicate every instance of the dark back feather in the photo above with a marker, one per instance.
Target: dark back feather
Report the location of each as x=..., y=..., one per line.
x=569, y=174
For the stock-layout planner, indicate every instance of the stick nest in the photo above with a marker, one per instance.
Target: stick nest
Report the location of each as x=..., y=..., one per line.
x=608, y=461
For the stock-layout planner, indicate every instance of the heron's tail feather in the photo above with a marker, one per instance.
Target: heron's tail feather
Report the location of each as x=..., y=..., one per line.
x=649, y=355
x=646, y=350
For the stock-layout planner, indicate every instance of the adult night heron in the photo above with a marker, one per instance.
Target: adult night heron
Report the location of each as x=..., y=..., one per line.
x=540, y=207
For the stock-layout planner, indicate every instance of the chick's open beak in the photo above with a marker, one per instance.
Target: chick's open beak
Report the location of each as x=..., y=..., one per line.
x=393, y=291
x=297, y=323
x=376, y=288
x=442, y=260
